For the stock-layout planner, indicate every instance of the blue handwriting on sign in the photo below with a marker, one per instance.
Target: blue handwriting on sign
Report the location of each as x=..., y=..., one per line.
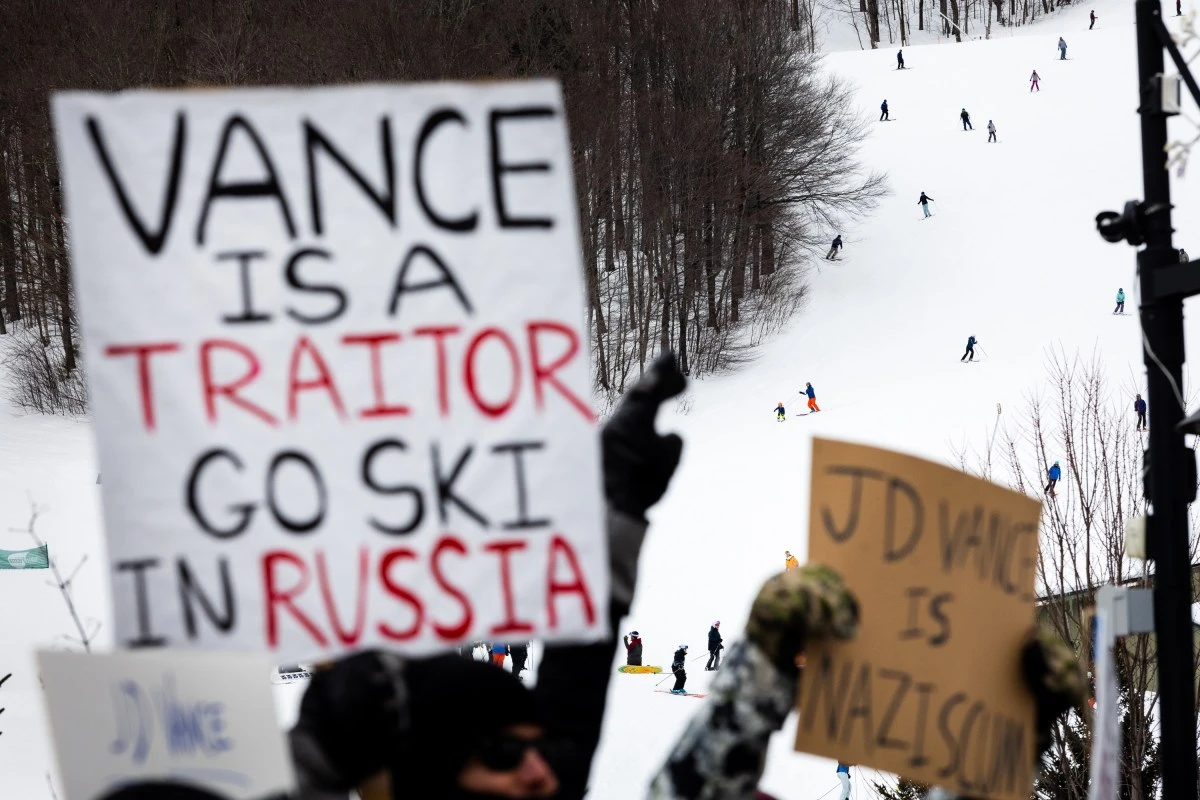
x=187, y=727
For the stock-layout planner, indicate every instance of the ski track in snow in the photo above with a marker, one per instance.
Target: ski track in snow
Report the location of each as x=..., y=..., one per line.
x=1011, y=257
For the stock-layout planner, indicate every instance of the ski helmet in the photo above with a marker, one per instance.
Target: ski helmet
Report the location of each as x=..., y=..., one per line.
x=683, y=647
x=633, y=633
x=1056, y=463
x=717, y=624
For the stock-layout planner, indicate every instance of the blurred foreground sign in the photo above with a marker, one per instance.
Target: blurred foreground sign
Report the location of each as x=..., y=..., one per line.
x=196, y=721
x=339, y=366
x=943, y=568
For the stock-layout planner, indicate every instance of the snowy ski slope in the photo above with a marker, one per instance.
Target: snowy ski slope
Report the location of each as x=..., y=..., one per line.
x=1011, y=257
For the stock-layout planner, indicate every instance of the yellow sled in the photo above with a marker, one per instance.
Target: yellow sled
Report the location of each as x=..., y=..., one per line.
x=644, y=670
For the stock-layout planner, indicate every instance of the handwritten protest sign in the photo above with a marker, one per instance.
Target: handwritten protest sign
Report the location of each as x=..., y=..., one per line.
x=202, y=720
x=943, y=568
x=337, y=354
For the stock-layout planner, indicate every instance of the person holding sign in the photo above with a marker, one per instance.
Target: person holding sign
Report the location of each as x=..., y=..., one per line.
x=756, y=689
x=453, y=729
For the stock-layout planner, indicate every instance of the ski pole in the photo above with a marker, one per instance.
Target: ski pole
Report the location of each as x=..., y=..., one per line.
x=985, y=352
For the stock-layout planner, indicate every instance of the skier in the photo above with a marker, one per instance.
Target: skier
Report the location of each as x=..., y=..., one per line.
x=499, y=651
x=1093, y=20
x=1183, y=256
x=1120, y=309
x=677, y=667
x=1139, y=407
x=843, y=774
x=924, y=204
x=633, y=649
x=833, y=250
x=780, y=413
x=1033, y=82
x=1179, y=8
x=1053, y=474
x=789, y=561
x=970, y=354
x=812, y=397
x=520, y=654
x=900, y=59
x=1062, y=49
x=966, y=120
x=991, y=131
x=883, y=112
x=714, y=647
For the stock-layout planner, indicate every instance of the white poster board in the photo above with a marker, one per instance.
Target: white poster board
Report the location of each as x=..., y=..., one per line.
x=204, y=720
x=336, y=347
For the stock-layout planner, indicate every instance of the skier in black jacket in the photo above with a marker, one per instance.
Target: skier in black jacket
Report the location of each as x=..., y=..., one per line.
x=678, y=667
x=714, y=646
x=449, y=728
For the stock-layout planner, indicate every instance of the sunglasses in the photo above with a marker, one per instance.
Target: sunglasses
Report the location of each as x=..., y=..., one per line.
x=504, y=752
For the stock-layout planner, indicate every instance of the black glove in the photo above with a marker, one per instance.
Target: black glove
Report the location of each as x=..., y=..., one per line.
x=357, y=713
x=638, y=463
x=1052, y=673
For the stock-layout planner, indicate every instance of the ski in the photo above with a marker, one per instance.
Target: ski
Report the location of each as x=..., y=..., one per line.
x=684, y=694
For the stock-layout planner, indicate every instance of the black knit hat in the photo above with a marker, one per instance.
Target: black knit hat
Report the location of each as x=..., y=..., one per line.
x=454, y=704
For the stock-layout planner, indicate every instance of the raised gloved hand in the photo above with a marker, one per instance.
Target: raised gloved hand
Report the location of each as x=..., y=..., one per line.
x=1053, y=674
x=796, y=606
x=638, y=462
x=356, y=715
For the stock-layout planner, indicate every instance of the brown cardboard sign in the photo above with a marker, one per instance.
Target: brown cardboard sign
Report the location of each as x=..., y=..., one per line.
x=943, y=567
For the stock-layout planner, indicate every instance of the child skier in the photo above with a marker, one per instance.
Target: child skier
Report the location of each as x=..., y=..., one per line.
x=900, y=59
x=780, y=413
x=843, y=774
x=1053, y=474
x=966, y=120
x=812, y=397
x=924, y=204
x=1062, y=49
x=790, y=561
x=677, y=667
x=1093, y=15
x=970, y=354
x=633, y=649
x=1033, y=82
x=1120, y=309
x=1139, y=407
x=883, y=112
x=991, y=131
x=715, y=645
x=833, y=250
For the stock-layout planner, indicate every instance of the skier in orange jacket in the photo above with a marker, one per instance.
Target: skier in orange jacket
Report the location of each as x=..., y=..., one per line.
x=791, y=562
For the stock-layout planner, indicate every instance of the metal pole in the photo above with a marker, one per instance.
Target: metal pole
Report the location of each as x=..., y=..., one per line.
x=1162, y=322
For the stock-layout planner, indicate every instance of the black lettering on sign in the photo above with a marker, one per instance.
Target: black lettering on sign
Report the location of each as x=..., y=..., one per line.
x=891, y=550
x=447, y=279
x=190, y=593
x=903, y=682
x=243, y=513
x=445, y=487
x=438, y=118
x=384, y=199
x=152, y=239
x=336, y=295
x=523, y=520
x=248, y=314
x=318, y=485
x=267, y=186
x=377, y=450
x=990, y=544
x=499, y=167
x=918, y=758
x=955, y=700
x=859, y=474
x=144, y=638
x=861, y=709
x=821, y=689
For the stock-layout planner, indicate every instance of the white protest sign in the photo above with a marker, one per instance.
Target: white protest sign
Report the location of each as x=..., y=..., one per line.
x=203, y=720
x=336, y=349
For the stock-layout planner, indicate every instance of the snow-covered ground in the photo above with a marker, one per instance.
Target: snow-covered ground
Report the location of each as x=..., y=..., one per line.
x=1011, y=257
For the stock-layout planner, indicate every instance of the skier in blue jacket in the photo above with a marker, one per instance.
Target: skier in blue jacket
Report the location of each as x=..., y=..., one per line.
x=970, y=354
x=843, y=774
x=1120, y=309
x=1053, y=474
x=1139, y=407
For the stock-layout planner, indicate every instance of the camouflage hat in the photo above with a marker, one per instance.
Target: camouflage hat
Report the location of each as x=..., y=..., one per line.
x=798, y=605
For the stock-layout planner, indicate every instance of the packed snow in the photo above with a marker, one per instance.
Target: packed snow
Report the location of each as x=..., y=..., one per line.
x=1011, y=257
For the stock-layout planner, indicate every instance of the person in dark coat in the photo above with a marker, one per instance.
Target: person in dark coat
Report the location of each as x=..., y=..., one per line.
x=970, y=354
x=924, y=202
x=520, y=654
x=966, y=120
x=1183, y=256
x=714, y=647
x=1093, y=16
x=899, y=59
x=449, y=728
x=883, y=111
x=833, y=250
x=679, y=669
x=1139, y=408
x=633, y=649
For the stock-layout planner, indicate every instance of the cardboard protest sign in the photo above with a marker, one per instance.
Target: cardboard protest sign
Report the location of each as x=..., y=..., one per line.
x=943, y=567
x=337, y=355
x=200, y=720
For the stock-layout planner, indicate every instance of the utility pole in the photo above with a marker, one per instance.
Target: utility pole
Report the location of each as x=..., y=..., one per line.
x=1171, y=467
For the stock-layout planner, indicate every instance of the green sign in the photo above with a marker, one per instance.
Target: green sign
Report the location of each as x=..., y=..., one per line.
x=37, y=558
